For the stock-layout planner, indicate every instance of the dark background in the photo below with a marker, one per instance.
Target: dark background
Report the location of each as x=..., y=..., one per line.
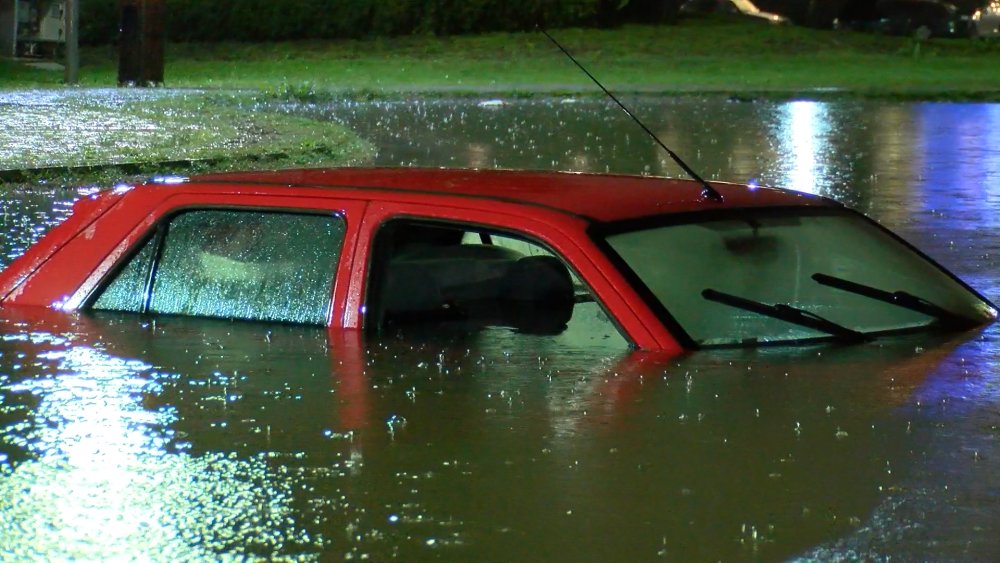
x=272, y=20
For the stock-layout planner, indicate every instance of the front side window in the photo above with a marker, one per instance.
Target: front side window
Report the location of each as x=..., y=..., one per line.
x=444, y=276
x=250, y=265
x=769, y=276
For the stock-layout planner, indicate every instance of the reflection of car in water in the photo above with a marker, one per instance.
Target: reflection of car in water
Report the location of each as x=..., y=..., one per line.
x=904, y=17
x=744, y=8
x=649, y=262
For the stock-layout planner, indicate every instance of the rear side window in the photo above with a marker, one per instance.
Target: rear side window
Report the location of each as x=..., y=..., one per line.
x=233, y=264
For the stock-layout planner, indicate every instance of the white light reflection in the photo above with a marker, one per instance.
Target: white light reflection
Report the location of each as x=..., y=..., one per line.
x=479, y=155
x=169, y=180
x=803, y=136
x=580, y=163
x=89, y=191
x=100, y=482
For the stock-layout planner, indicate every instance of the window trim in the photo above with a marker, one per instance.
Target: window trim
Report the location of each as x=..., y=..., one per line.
x=158, y=238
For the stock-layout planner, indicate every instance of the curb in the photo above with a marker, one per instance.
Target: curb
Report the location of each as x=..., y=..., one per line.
x=29, y=175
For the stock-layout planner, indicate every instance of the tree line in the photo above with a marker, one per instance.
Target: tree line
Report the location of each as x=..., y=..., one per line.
x=275, y=20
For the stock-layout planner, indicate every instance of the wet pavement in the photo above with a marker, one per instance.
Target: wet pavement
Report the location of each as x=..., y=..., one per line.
x=124, y=437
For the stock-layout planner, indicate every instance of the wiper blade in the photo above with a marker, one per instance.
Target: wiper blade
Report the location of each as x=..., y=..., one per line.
x=787, y=313
x=898, y=298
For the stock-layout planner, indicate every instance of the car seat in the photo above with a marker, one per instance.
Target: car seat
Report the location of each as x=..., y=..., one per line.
x=539, y=295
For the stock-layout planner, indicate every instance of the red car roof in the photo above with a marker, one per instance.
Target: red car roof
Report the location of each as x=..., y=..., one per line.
x=598, y=197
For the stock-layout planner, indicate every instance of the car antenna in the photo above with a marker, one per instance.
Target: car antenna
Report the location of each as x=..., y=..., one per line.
x=707, y=190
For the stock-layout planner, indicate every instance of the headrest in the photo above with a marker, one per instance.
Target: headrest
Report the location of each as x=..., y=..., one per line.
x=538, y=293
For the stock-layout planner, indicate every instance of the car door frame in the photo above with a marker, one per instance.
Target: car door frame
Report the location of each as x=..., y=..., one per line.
x=562, y=234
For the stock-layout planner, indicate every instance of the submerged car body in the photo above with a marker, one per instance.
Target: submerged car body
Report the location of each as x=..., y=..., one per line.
x=652, y=262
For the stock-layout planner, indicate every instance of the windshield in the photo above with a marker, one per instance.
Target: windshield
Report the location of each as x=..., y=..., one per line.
x=785, y=275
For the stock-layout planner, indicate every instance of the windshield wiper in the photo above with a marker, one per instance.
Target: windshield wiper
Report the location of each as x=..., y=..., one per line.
x=787, y=313
x=899, y=299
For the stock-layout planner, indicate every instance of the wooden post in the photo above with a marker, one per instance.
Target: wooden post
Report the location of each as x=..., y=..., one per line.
x=72, y=25
x=140, y=42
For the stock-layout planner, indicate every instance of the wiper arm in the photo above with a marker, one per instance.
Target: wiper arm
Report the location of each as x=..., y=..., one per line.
x=898, y=298
x=787, y=313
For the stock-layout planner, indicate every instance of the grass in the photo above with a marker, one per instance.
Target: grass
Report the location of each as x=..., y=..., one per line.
x=13, y=74
x=102, y=140
x=716, y=55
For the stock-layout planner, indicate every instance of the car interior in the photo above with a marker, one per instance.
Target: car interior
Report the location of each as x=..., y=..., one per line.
x=436, y=273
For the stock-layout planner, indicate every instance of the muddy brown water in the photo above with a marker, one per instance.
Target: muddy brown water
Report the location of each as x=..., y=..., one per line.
x=124, y=437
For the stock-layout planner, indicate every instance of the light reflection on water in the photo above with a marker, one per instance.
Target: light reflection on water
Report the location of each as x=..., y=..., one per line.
x=203, y=439
x=804, y=128
x=879, y=157
x=96, y=472
x=255, y=439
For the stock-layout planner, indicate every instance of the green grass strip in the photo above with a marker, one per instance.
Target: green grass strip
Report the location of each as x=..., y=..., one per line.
x=699, y=55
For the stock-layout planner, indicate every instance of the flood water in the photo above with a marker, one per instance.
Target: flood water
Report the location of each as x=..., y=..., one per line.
x=124, y=437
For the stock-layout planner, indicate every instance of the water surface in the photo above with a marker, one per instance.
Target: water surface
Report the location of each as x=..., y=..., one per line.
x=124, y=437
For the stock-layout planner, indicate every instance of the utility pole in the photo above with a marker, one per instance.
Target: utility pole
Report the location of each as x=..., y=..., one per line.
x=72, y=24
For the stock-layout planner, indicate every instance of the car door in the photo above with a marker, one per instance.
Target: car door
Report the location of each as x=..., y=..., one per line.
x=545, y=232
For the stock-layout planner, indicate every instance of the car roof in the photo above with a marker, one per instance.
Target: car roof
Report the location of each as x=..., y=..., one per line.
x=595, y=197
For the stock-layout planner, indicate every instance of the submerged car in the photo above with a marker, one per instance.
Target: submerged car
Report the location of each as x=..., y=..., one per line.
x=655, y=263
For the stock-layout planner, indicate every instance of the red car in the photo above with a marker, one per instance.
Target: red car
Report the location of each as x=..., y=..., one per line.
x=650, y=262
